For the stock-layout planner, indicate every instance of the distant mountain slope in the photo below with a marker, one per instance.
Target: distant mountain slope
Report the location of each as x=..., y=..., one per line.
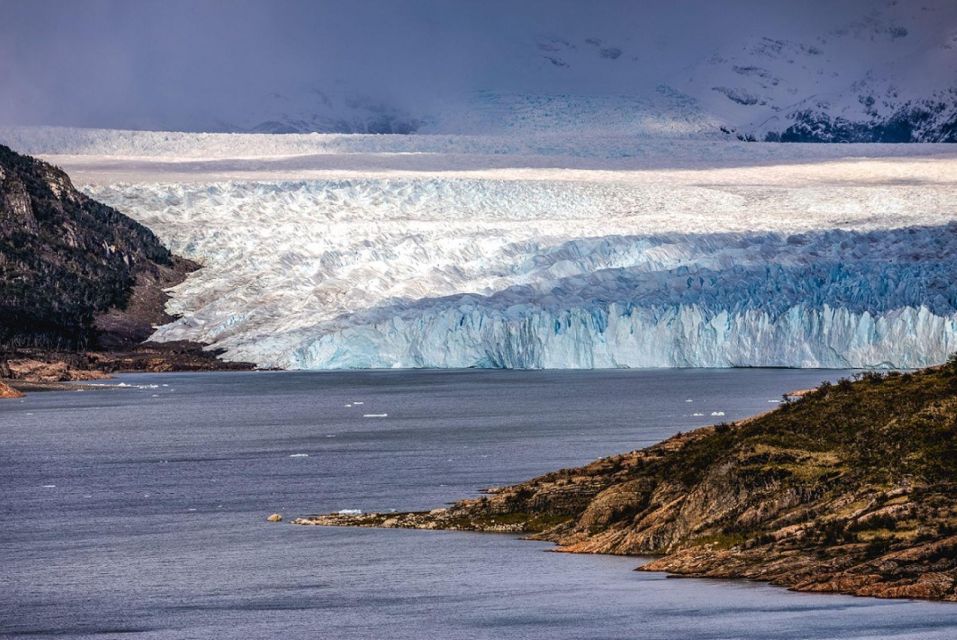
x=74, y=273
x=889, y=75
x=884, y=72
x=816, y=71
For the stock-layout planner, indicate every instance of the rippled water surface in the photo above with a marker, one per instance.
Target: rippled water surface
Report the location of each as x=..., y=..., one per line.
x=140, y=510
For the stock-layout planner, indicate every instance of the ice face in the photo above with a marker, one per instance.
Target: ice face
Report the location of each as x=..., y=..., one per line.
x=815, y=306
x=843, y=263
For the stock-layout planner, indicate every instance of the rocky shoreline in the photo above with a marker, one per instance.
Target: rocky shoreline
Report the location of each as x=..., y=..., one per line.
x=850, y=488
x=36, y=370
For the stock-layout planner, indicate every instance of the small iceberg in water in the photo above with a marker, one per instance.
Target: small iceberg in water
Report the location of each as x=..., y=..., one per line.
x=375, y=415
x=298, y=455
x=350, y=512
x=717, y=413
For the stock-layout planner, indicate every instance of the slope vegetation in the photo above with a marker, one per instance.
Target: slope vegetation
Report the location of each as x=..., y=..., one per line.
x=66, y=260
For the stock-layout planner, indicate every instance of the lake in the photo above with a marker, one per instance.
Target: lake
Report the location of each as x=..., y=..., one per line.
x=139, y=509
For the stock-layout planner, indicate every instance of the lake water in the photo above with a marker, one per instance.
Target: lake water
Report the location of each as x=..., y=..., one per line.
x=139, y=511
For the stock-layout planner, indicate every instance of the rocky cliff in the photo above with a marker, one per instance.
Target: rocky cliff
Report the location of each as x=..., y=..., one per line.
x=850, y=488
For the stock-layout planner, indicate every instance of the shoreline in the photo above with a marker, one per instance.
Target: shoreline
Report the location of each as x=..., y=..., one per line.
x=28, y=371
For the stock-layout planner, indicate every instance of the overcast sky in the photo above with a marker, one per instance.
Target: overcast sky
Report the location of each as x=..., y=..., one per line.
x=137, y=63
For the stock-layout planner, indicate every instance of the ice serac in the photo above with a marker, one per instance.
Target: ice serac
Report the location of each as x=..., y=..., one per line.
x=873, y=309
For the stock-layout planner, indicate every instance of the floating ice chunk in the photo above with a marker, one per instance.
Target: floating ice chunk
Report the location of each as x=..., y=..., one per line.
x=347, y=406
x=697, y=415
x=298, y=455
x=688, y=400
x=350, y=512
x=358, y=403
x=717, y=413
x=375, y=415
x=49, y=486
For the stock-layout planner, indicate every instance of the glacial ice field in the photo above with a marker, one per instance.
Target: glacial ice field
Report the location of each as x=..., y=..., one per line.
x=476, y=251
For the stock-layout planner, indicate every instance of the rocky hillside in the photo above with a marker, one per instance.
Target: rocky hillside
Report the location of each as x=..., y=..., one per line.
x=74, y=273
x=82, y=286
x=850, y=488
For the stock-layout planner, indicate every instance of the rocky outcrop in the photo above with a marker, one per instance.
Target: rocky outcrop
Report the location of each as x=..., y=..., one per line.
x=6, y=391
x=45, y=372
x=919, y=121
x=851, y=488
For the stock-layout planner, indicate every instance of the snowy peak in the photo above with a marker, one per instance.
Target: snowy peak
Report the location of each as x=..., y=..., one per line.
x=890, y=76
x=856, y=70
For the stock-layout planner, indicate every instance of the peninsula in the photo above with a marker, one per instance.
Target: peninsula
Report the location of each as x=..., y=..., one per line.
x=850, y=488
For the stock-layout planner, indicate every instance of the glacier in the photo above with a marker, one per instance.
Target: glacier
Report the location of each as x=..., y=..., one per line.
x=539, y=251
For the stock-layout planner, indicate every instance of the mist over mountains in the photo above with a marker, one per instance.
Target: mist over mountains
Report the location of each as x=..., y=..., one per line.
x=849, y=71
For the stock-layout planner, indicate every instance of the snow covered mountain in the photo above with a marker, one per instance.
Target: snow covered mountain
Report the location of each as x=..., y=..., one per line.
x=825, y=71
x=308, y=110
x=578, y=190
x=872, y=72
x=889, y=75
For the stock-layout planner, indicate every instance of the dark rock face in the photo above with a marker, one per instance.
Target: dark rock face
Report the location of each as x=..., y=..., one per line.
x=74, y=272
x=852, y=488
x=928, y=121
